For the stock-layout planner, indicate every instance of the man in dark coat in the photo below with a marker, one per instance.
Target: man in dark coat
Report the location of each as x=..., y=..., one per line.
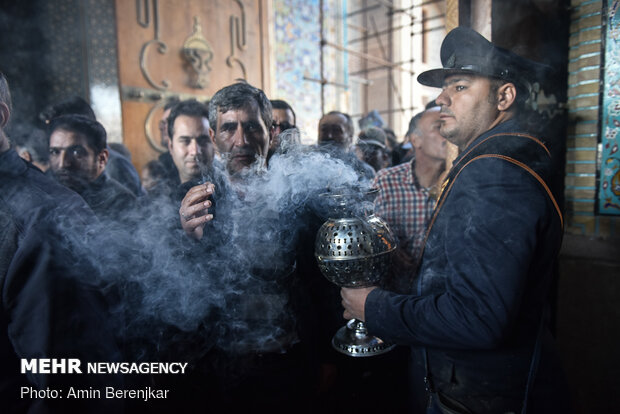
x=78, y=158
x=259, y=353
x=335, y=137
x=475, y=318
x=50, y=305
x=119, y=166
x=190, y=147
x=165, y=158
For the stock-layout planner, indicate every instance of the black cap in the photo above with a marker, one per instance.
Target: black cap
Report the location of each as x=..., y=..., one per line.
x=372, y=136
x=467, y=51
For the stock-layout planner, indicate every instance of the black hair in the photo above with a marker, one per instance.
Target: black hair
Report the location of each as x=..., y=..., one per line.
x=237, y=96
x=190, y=107
x=170, y=102
x=93, y=131
x=74, y=105
x=280, y=104
x=350, y=126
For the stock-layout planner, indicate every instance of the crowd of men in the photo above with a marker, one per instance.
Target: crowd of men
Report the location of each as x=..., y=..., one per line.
x=207, y=256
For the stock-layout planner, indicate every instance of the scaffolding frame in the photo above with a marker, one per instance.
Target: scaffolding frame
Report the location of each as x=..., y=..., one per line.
x=371, y=63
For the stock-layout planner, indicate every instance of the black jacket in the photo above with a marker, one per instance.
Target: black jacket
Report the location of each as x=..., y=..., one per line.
x=51, y=303
x=109, y=199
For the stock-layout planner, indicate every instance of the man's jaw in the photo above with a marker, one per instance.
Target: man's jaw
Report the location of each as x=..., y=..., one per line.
x=70, y=180
x=241, y=165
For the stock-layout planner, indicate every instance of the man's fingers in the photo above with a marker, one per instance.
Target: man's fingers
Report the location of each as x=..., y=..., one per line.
x=197, y=194
x=195, y=222
x=196, y=202
x=188, y=212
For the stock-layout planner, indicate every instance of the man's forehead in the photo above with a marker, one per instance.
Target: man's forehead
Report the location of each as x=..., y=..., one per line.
x=68, y=137
x=333, y=119
x=184, y=121
x=245, y=113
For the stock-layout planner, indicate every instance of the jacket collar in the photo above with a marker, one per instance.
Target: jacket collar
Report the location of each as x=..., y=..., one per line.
x=12, y=164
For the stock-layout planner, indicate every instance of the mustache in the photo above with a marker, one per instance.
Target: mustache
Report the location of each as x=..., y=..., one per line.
x=67, y=174
x=242, y=152
x=446, y=111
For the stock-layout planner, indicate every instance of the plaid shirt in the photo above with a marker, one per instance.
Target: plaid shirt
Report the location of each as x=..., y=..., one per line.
x=404, y=205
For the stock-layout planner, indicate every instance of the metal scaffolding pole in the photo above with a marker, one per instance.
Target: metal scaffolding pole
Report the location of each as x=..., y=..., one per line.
x=368, y=57
x=404, y=26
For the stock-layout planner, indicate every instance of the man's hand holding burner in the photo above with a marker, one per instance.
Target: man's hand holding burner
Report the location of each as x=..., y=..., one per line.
x=353, y=301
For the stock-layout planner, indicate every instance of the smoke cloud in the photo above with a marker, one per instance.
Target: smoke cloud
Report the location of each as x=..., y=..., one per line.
x=174, y=296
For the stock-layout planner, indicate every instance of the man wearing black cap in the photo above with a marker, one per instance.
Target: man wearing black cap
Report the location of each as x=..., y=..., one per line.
x=371, y=148
x=476, y=317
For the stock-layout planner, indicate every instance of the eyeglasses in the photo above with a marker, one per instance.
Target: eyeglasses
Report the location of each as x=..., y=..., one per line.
x=282, y=125
x=333, y=129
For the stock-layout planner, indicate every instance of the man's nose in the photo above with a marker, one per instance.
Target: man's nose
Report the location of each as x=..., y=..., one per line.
x=192, y=147
x=239, y=139
x=64, y=160
x=443, y=99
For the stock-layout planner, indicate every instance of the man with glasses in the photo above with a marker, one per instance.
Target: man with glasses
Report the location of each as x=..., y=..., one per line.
x=283, y=119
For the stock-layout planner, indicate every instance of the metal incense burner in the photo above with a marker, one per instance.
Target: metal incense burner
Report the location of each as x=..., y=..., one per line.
x=353, y=249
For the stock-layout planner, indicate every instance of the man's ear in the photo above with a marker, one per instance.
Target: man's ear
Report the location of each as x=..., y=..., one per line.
x=25, y=154
x=4, y=114
x=102, y=158
x=212, y=135
x=506, y=95
x=415, y=140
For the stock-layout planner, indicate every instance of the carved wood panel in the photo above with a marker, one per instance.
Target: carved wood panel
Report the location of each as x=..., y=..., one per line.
x=185, y=48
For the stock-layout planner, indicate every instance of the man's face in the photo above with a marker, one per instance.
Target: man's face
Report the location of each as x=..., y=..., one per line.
x=426, y=139
x=377, y=157
x=466, y=108
x=163, y=128
x=72, y=161
x=333, y=130
x=283, y=119
x=241, y=137
x=191, y=146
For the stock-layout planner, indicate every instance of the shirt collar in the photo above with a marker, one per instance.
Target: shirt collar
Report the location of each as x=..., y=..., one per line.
x=413, y=180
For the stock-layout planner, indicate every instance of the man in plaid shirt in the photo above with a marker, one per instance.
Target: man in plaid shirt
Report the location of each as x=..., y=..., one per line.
x=407, y=192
